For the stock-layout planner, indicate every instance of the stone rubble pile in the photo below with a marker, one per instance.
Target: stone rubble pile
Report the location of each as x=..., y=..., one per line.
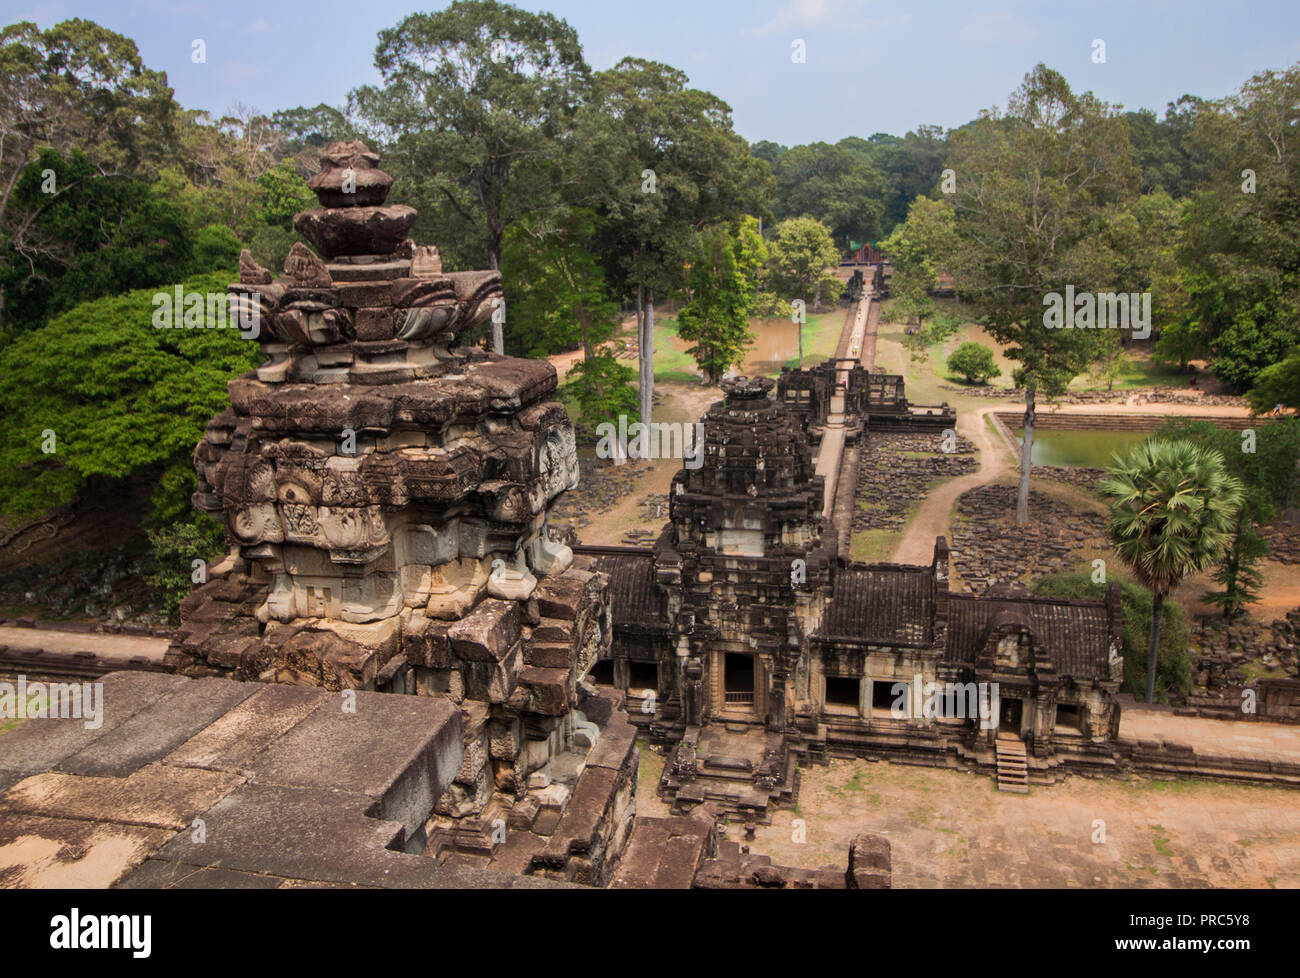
x=897, y=469
x=990, y=548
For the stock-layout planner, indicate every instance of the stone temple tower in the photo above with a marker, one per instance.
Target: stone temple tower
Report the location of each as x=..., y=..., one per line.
x=740, y=560
x=385, y=496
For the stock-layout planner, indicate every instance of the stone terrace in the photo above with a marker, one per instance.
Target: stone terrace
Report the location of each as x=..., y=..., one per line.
x=211, y=782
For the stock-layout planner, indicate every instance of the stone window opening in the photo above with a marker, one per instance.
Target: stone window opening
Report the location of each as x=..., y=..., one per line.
x=1069, y=719
x=883, y=697
x=842, y=696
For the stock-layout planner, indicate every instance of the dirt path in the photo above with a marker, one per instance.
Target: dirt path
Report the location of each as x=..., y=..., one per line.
x=916, y=546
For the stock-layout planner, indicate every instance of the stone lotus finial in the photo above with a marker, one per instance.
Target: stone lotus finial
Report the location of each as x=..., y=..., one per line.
x=250, y=272
x=349, y=176
x=304, y=269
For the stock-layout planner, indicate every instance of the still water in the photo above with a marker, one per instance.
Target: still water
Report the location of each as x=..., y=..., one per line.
x=1069, y=446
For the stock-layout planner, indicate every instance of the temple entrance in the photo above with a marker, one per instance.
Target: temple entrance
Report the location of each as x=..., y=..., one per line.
x=1012, y=711
x=738, y=681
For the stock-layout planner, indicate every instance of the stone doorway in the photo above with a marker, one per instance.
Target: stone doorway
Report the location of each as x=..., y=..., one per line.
x=738, y=682
x=1012, y=715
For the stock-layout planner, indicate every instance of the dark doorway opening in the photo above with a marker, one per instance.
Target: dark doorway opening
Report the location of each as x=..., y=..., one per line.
x=643, y=676
x=1012, y=711
x=738, y=679
x=601, y=673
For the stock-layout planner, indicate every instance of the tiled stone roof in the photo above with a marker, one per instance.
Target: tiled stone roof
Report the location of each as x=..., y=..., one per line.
x=886, y=604
x=1076, y=634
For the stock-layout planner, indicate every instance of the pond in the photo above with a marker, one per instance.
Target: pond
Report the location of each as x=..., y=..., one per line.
x=776, y=343
x=1078, y=447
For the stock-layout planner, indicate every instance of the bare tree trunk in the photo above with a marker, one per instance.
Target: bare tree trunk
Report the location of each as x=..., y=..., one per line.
x=1157, y=605
x=648, y=359
x=498, y=335
x=1026, y=456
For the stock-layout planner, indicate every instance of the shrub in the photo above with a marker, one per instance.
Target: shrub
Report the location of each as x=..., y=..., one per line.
x=1174, y=672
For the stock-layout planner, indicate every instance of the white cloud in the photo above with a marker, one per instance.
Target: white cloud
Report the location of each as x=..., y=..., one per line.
x=811, y=13
x=258, y=26
x=996, y=27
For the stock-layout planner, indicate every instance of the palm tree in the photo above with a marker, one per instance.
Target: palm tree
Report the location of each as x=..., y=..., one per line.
x=1173, y=507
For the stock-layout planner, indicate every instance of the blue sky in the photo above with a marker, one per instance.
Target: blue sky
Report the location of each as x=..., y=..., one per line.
x=871, y=66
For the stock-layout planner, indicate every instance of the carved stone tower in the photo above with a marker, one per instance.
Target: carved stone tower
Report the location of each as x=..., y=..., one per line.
x=385, y=496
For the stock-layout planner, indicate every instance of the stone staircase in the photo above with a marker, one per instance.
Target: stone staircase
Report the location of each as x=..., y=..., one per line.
x=1013, y=771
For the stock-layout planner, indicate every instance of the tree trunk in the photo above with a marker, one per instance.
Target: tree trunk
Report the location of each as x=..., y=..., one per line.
x=1026, y=456
x=498, y=335
x=1157, y=605
x=648, y=359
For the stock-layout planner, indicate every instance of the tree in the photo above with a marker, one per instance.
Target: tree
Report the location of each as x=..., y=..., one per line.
x=112, y=397
x=974, y=362
x=1032, y=191
x=1241, y=251
x=93, y=235
x=1265, y=462
x=910, y=167
x=1173, y=508
x=723, y=284
x=1276, y=384
x=799, y=260
x=557, y=293
x=601, y=388
x=833, y=185
x=915, y=249
x=76, y=85
x=666, y=162
x=476, y=102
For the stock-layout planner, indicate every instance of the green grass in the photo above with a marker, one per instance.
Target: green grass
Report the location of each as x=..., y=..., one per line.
x=672, y=364
x=1136, y=372
x=1160, y=840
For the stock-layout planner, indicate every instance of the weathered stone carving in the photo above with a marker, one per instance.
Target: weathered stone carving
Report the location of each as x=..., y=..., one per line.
x=385, y=494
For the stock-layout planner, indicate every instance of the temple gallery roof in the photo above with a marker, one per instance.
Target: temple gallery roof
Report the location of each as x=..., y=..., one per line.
x=634, y=599
x=1076, y=634
x=888, y=605
x=893, y=604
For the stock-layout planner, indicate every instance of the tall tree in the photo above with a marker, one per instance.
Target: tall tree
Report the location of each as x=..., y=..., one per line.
x=680, y=166
x=723, y=282
x=915, y=248
x=1173, y=509
x=799, y=262
x=1241, y=250
x=1033, y=187
x=75, y=85
x=476, y=101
